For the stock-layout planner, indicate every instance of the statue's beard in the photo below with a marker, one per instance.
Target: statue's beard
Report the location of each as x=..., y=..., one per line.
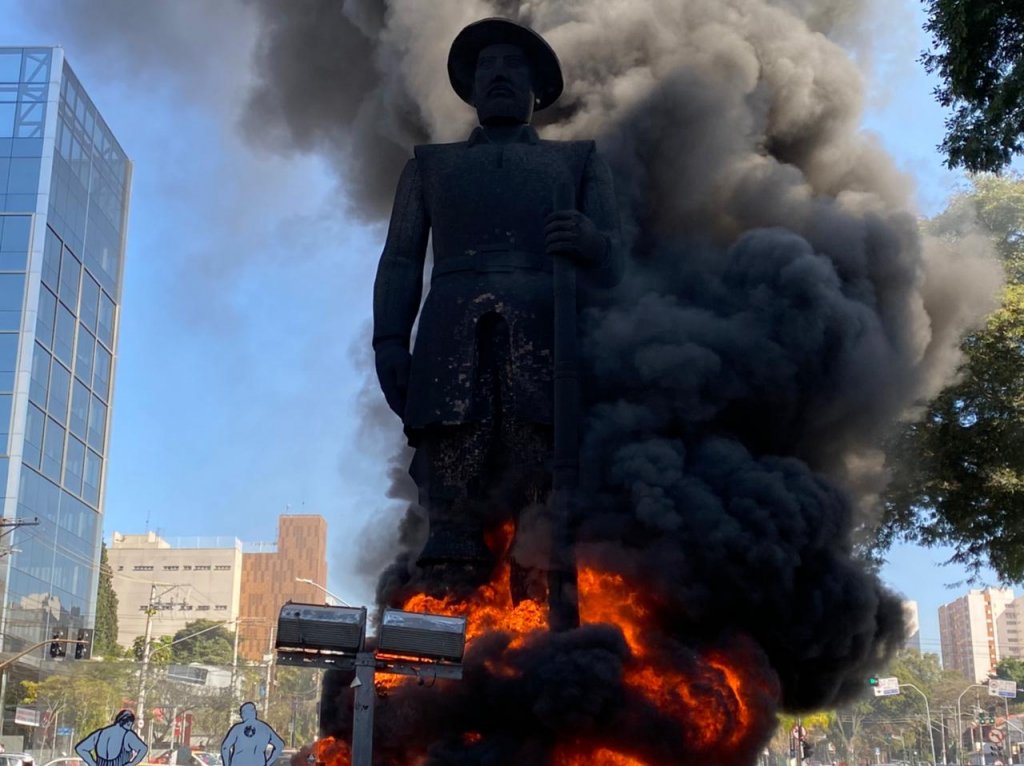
x=505, y=111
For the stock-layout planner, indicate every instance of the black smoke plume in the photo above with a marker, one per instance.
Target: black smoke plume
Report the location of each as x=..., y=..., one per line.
x=781, y=311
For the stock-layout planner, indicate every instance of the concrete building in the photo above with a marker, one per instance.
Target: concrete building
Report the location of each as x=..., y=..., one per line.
x=976, y=631
x=64, y=189
x=183, y=580
x=912, y=618
x=217, y=578
x=269, y=579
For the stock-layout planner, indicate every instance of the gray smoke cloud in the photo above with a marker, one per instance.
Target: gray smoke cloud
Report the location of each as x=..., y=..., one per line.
x=780, y=312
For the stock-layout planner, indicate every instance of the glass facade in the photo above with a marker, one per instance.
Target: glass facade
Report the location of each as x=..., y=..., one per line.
x=64, y=189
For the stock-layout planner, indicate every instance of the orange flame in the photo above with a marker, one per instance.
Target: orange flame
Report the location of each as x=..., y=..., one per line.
x=332, y=752
x=715, y=711
x=600, y=757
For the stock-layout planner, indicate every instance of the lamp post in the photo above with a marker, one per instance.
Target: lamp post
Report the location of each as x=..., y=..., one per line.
x=959, y=733
x=426, y=646
x=928, y=715
x=318, y=586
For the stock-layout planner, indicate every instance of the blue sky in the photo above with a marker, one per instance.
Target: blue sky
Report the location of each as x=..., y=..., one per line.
x=244, y=321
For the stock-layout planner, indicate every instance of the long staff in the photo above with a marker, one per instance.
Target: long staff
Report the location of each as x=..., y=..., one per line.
x=563, y=596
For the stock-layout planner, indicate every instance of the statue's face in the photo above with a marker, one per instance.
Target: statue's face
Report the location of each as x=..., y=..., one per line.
x=503, y=86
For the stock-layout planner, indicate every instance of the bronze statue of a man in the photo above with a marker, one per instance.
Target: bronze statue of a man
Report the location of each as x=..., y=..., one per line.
x=475, y=394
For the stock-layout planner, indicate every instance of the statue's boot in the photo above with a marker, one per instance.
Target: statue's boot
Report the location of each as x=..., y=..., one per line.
x=455, y=553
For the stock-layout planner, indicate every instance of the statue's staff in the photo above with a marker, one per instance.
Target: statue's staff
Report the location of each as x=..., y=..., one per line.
x=563, y=595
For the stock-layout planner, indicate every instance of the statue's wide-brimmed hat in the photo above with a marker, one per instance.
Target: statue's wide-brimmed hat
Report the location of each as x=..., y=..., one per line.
x=547, y=72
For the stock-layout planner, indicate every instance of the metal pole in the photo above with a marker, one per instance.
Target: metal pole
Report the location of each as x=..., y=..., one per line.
x=270, y=668
x=563, y=596
x=362, y=716
x=942, y=731
x=959, y=733
x=140, y=709
x=928, y=715
x=234, y=668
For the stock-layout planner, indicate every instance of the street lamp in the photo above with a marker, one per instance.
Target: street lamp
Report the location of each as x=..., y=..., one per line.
x=408, y=643
x=928, y=714
x=959, y=732
x=317, y=585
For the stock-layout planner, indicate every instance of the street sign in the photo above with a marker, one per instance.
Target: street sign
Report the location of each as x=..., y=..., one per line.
x=1000, y=688
x=26, y=716
x=887, y=687
x=64, y=731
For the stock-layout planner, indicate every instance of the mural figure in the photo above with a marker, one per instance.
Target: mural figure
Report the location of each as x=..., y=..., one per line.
x=113, y=745
x=475, y=394
x=250, y=742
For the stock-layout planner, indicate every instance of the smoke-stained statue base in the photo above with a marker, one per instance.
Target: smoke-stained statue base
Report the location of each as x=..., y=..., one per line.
x=116, y=744
x=250, y=742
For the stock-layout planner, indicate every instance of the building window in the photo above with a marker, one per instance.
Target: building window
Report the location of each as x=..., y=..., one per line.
x=142, y=568
x=223, y=568
x=220, y=608
x=171, y=567
x=202, y=567
x=203, y=608
x=187, y=567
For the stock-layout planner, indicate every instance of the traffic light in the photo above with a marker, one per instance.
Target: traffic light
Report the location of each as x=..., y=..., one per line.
x=83, y=649
x=808, y=750
x=58, y=649
x=873, y=681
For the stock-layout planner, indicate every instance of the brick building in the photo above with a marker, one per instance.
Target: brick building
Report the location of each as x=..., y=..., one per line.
x=269, y=579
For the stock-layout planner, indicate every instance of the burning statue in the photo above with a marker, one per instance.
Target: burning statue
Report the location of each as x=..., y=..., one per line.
x=476, y=395
x=773, y=308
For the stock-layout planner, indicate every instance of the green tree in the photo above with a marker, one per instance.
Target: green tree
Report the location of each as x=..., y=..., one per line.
x=203, y=641
x=1011, y=669
x=84, y=697
x=160, y=650
x=978, y=57
x=958, y=473
x=105, y=637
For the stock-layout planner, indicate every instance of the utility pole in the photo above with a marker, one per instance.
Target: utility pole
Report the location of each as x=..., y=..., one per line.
x=151, y=609
x=234, y=668
x=140, y=708
x=270, y=668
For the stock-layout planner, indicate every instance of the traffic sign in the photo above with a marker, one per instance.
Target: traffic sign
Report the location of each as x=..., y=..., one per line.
x=1000, y=688
x=65, y=731
x=887, y=687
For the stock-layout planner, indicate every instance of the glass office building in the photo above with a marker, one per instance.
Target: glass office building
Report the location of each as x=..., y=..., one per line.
x=64, y=188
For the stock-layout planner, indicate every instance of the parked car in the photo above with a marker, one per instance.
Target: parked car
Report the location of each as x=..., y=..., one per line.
x=16, y=759
x=284, y=758
x=65, y=762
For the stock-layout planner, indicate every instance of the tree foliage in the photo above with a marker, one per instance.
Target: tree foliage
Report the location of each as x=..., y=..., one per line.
x=958, y=473
x=204, y=641
x=105, y=637
x=979, y=56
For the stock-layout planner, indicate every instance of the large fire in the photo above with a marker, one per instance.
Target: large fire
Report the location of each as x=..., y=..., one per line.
x=707, y=701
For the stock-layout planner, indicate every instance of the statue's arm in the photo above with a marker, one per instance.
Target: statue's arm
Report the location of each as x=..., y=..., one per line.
x=399, y=285
x=599, y=204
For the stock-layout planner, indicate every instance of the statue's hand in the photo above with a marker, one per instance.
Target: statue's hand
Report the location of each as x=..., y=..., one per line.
x=393, y=373
x=571, y=234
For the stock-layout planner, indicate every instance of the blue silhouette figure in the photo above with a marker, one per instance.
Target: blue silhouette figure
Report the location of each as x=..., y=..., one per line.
x=113, y=745
x=251, y=742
